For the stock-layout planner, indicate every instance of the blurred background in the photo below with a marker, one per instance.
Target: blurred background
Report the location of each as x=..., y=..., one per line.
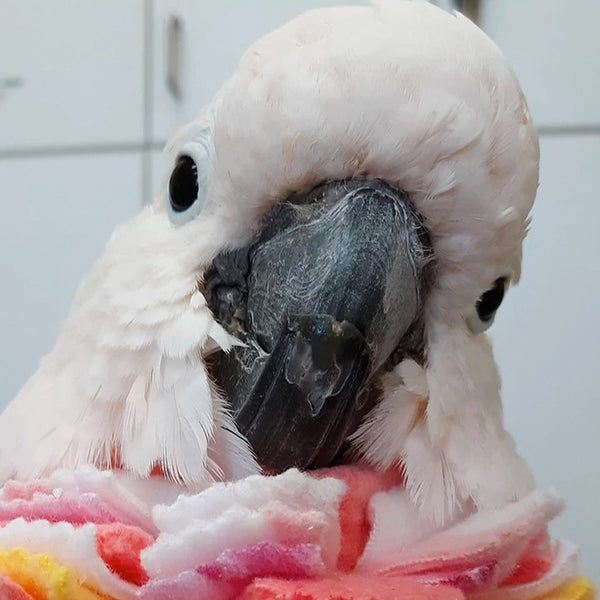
x=90, y=92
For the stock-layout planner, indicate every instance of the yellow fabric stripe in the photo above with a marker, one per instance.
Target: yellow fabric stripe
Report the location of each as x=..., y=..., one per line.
x=44, y=579
x=578, y=588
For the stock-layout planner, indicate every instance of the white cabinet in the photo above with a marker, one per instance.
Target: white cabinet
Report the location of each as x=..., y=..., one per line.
x=71, y=73
x=57, y=213
x=213, y=36
x=554, y=48
x=547, y=339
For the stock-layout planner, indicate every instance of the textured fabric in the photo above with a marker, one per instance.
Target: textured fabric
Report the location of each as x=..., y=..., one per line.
x=9, y=590
x=338, y=534
x=361, y=485
x=348, y=587
x=120, y=546
x=41, y=577
x=265, y=559
x=578, y=588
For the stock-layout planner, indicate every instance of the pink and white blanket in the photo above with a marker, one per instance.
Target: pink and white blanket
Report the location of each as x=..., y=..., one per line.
x=344, y=533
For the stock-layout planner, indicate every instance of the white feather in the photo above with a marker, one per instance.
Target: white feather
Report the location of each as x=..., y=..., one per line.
x=457, y=456
x=125, y=385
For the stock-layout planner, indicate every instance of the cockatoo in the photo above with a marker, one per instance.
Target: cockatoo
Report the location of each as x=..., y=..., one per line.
x=339, y=227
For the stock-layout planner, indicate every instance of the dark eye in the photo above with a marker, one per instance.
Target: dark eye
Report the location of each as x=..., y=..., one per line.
x=183, y=185
x=487, y=305
x=489, y=302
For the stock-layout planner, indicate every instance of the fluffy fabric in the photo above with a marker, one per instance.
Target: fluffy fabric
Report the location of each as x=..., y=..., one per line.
x=9, y=590
x=347, y=587
x=355, y=526
x=328, y=535
x=41, y=577
x=120, y=547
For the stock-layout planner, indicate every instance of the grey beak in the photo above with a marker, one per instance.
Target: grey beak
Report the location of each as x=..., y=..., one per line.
x=329, y=291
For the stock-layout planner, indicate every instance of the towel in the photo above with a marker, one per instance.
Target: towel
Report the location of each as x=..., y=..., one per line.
x=346, y=533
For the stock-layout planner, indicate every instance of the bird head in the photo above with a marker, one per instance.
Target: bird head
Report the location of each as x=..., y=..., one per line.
x=335, y=232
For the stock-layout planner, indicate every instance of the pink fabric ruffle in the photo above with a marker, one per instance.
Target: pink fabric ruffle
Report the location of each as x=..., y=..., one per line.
x=344, y=533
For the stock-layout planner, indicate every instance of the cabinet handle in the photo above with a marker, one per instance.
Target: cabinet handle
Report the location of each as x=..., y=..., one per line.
x=174, y=55
x=469, y=8
x=9, y=83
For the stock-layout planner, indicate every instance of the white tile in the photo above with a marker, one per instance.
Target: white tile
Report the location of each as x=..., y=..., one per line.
x=554, y=48
x=57, y=213
x=547, y=339
x=215, y=35
x=80, y=65
x=159, y=173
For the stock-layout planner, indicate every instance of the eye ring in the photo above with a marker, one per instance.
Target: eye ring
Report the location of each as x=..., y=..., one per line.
x=187, y=182
x=484, y=311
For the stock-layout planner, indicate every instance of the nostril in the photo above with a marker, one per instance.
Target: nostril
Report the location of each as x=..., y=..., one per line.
x=228, y=306
x=226, y=290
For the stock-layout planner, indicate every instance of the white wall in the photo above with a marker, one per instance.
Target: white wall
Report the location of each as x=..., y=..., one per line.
x=547, y=334
x=547, y=340
x=84, y=111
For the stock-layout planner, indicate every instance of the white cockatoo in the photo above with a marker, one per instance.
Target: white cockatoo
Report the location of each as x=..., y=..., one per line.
x=312, y=286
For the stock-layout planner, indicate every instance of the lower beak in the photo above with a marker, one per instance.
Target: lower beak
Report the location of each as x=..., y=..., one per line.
x=326, y=293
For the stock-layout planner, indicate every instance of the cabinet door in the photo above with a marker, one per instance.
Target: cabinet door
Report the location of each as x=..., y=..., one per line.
x=554, y=48
x=547, y=339
x=209, y=38
x=71, y=73
x=57, y=213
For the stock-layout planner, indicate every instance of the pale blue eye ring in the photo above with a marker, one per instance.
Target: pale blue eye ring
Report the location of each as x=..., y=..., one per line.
x=187, y=183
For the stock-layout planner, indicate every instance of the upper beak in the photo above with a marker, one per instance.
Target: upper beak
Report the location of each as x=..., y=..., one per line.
x=329, y=289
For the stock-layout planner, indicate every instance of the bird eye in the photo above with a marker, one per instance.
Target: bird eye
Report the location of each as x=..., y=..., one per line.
x=485, y=308
x=183, y=184
x=188, y=180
